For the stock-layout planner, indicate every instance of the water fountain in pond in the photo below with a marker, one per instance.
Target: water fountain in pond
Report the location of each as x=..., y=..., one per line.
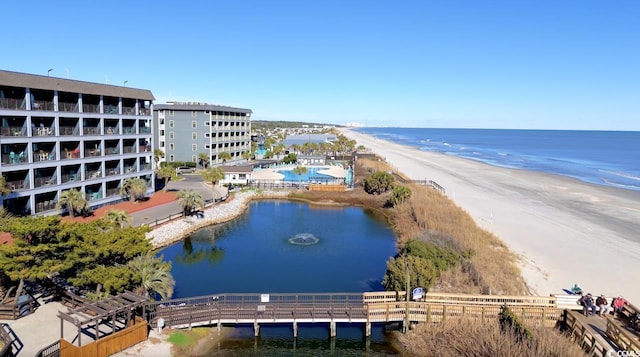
x=304, y=239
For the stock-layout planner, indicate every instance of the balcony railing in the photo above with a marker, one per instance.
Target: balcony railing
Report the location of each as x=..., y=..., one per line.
x=68, y=107
x=111, y=130
x=129, y=149
x=66, y=178
x=71, y=154
x=92, y=174
x=113, y=171
x=43, y=131
x=45, y=181
x=13, y=158
x=143, y=111
x=90, y=108
x=112, y=151
x=12, y=103
x=128, y=110
x=111, y=109
x=42, y=105
x=12, y=131
x=129, y=130
x=94, y=195
x=69, y=130
x=91, y=131
x=92, y=152
x=18, y=185
x=45, y=206
x=113, y=192
x=129, y=169
x=44, y=156
x=145, y=130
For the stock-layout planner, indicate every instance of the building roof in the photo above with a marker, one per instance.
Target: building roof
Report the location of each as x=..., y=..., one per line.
x=200, y=106
x=24, y=80
x=236, y=169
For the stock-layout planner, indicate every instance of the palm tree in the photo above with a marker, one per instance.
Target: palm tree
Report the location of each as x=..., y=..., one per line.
x=73, y=200
x=168, y=173
x=213, y=175
x=154, y=275
x=134, y=188
x=299, y=170
x=157, y=155
x=224, y=156
x=204, y=159
x=118, y=217
x=190, y=200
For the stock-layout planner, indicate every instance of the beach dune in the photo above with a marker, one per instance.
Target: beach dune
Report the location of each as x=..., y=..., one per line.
x=564, y=230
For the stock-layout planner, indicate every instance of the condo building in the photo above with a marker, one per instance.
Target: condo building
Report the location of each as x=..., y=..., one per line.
x=184, y=130
x=59, y=134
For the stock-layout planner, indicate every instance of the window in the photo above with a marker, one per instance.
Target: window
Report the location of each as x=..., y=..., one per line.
x=162, y=144
x=207, y=146
x=194, y=158
x=162, y=132
x=172, y=157
x=207, y=135
x=171, y=135
x=161, y=121
x=206, y=123
x=194, y=135
x=194, y=124
x=194, y=113
x=194, y=147
x=171, y=114
x=172, y=146
x=171, y=123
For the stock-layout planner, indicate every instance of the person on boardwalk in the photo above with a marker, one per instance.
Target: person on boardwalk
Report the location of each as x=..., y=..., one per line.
x=589, y=307
x=603, y=305
x=618, y=303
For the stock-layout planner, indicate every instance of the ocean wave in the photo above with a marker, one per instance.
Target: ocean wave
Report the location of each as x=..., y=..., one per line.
x=619, y=185
x=621, y=174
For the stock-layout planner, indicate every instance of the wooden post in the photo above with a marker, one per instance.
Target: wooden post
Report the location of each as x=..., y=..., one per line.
x=219, y=327
x=256, y=329
x=295, y=329
x=332, y=328
x=367, y=329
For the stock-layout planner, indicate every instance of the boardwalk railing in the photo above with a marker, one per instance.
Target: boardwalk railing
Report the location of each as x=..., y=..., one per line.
x=367, y=308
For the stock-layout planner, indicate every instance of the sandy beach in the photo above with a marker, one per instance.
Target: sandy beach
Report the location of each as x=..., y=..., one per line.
x=564, y=230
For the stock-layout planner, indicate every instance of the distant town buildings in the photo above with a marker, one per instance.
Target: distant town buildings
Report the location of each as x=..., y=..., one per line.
x=60, y=134
x=184, y=130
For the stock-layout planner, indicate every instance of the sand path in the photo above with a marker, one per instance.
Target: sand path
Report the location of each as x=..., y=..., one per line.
x=565, y=230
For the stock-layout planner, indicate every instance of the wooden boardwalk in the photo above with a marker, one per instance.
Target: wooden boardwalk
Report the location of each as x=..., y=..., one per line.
x=364, y=308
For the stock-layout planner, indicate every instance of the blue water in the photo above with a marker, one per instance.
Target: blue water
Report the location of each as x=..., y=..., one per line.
x=310, y=176
x=609, y=158
x=253, y=254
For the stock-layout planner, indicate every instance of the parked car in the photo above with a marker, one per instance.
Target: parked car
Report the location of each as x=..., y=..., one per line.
x=185, y=170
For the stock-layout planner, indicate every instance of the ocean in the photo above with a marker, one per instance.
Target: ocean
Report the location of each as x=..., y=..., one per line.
x=608, y=158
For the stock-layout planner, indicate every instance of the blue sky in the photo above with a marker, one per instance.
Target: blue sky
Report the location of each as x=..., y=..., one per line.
x=478, y=64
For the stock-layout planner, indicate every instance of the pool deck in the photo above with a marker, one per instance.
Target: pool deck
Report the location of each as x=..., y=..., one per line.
x=271, y=174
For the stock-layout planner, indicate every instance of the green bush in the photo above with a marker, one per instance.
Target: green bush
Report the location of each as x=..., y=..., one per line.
x=422, y=273
x=399, y=195
x=378, y=183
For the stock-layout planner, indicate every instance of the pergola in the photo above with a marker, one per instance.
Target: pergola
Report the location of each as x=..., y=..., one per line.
x=101, y=318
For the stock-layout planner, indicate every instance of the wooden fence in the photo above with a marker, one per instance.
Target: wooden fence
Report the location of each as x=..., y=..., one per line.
x=327, y=188
x=109, y=345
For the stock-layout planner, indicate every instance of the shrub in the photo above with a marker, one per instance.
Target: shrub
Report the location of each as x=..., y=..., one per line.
x=399, y=195
x=378, y=183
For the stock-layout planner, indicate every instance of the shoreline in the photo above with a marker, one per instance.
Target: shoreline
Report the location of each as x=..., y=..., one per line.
x=564, y=230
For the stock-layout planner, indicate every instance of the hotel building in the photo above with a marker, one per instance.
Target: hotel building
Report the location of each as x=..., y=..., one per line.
x=184, y=130
x=60, y=134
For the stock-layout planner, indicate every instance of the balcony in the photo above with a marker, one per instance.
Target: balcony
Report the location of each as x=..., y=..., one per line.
x=45, y=181
x=129, y=110
x=112, y=151
x=90, y=108
x=42, y=105
x=68, y=107
x=93, y=152
x=94, y=195
x=42, y=131
x=71, y=154
x=69, y=130
x=45, y=206
x=93, y=174
x=113, y=171
x=44, y=156
x=110, y=109
x=12, y=103
x=70, y=178
x=18, y=185
x=12, y=131
x=111, y=130
x=91, y=130
x=129, y=149
x=13, y=158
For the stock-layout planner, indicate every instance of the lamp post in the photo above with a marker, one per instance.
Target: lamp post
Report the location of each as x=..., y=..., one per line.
x=125, y=83
x=406, y=313
x=49, y=71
